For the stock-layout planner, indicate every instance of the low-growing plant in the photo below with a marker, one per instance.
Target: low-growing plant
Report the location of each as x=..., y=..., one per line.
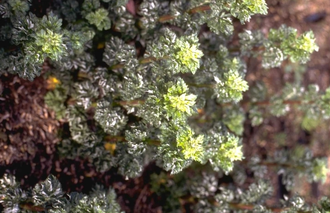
x=160, y=81
x=48, y=196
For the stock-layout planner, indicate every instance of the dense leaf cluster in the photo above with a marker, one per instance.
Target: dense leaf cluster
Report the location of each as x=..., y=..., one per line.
x=48, y=196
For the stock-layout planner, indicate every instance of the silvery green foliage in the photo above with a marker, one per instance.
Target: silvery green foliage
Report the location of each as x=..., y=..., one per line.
x=39, y=38
x=230, y=84
x=91, y=148
x=117, y=4
x=299, y=161
x=172, y=158
x=210, y=42
x=219, y=21
x=176, y=54
x=99, y=201
x=149, y=10
x=272, y=57
x=278, y=107
x=122, y=20
x=157, y=87
x=47, y=196
x=107, y=84
x=104, y=16
x=18, y=6
x=153, y=70
x=100, y=19
x=249, y=40
x=322, y=105
x=126, y=25
x=219, y=17
x=292, y=91
x=256, y=116
x=311, y=101
x=209, y=197
x=229, y=148
x=86, y=94
x=151, y=106
x=48, y=193
x=222, y=25
x=281, y=44
x=187, y=22
x=78, y=124
x=83, y=62
x=259, y=170
x=134, y=86
x=89, y=6
x=70, y=9
x=203, y=206
x=136, y=137
x=117, y=52
x=210, y=68
x=243, y=11
x=257, y=192
x=234, y=119
x=324, y=203
x=117, y=8
x=128, y=166
x=111, y=119
x=90, y=145
x=203, y=185
x=11, y=194
x=239, y=174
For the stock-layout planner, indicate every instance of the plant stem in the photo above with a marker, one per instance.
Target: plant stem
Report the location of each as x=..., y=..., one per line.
x=131, y=103
x=285, y=165
x=247, y=104
x=211, y=86
x=141, y=61
x=166, y=18
x=246, y=207
x=191, y=11
x=199, y=9
x=147, y=60
x=241, y=206
x=116, y=138
x=117, y=66
x=30, y=207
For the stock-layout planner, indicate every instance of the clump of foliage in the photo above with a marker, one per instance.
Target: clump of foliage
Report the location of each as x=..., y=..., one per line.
x=48, y=196
x=205, y=194
x=138, y=87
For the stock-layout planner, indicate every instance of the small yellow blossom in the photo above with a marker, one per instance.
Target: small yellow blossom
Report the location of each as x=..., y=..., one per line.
x=111, y=147
x=52, y=83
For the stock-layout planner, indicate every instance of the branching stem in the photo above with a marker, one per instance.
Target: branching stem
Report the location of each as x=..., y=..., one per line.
x=115, y=139
x=141, y=61
x=198, y=9
x=131, y=103
x=211, y=86
x=247, y=104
